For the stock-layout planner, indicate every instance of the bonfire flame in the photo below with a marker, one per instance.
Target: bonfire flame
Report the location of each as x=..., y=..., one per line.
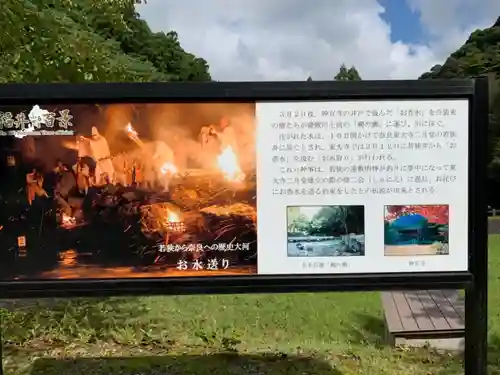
x=172, y=217
x=229, y=165
x=68, y=221
x=168, y=168
x=68, y=258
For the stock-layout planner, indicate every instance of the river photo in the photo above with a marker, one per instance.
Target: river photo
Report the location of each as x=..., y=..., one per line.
x=325, y=231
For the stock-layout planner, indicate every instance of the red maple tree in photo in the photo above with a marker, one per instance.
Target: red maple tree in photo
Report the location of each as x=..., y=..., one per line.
x=396, y=210
x=438, y=214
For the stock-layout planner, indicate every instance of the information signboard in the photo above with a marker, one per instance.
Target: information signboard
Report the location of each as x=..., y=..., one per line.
x=265, y=185
x=176, y=188
x=180, y=190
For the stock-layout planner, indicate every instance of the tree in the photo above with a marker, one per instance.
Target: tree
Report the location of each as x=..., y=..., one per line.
x=309, y=79
x=479, y=56
x=300, y=224
x=342, y=75
x=345, y=74
x=437, y=214
x=88, y=40
x=334, y=220
x=434, y=70
x=303, y=224
x=341, y=214
x=353, y=74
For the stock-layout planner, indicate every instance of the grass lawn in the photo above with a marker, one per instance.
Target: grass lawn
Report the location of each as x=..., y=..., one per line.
x=331, y=333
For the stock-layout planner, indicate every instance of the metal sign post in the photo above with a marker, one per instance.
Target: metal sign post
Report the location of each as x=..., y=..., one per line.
x=476, y=306
x=1, y=347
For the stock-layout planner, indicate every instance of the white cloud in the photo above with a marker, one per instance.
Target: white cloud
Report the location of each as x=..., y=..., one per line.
x=292, y=39
x=449, y=23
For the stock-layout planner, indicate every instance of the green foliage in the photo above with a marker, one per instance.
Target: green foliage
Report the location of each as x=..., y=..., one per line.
x=337, y=219
x=302, y=224
x=479, y=56
x=345, y=74
x=88, y=40
x=330, y=221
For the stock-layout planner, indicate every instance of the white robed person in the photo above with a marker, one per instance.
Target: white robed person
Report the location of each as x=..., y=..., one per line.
x=226, y=135
x=98, y=148
x=164, y=163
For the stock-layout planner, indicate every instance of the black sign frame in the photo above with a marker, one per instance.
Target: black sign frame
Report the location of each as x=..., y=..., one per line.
x=474, y=281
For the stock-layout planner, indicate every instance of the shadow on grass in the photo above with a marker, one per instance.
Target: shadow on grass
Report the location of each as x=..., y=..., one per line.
x=216, y=364
x=366, y=329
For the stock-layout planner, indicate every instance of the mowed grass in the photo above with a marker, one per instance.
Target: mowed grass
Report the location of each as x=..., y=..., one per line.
x=288, y=334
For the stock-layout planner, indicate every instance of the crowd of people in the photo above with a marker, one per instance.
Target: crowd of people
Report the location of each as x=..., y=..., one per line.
x=96, y=167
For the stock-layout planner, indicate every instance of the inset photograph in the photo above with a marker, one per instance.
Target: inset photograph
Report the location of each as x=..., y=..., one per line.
x=147, y=190
x=416, y=230
x=325, y=231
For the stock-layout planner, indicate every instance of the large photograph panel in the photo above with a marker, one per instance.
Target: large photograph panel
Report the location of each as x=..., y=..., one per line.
x=127, y=190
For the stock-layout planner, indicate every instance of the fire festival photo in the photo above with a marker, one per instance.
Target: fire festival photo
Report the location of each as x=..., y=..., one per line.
x=416, y=230
x=326, y=231
x=127, y=191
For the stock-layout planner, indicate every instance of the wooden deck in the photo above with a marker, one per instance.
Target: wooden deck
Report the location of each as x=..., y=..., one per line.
x=425, y=317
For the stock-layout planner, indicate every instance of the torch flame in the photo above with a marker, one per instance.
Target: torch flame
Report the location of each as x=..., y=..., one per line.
x=229, y=165
x=168, y=168
x=133, y=135
x=70, y=145
x=131, y=130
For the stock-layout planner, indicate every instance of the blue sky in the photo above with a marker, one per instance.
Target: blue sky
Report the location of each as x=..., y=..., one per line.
x=405, y=23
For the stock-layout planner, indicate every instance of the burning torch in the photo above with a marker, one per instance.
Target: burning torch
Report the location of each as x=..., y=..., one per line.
x=133, y=135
